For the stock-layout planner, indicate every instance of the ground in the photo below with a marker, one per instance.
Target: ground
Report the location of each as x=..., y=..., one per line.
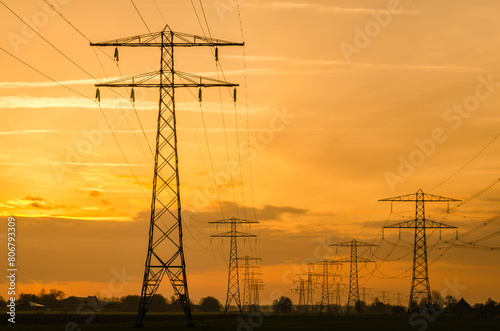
x=121, y=321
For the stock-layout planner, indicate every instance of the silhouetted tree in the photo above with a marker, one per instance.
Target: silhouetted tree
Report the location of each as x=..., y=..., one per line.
x=283, y=305
x=379, y=307
x=24, y=297
x=175, y=305
x=437, y=299
x=210, y=304
x=360, y=306
x=130, y=302
x=450, y=301
x=159, y=304
x=398, y=310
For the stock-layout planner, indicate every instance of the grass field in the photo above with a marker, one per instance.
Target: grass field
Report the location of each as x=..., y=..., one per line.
x=213, y=322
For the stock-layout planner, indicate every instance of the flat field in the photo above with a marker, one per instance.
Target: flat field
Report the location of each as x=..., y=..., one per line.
x=217, y=322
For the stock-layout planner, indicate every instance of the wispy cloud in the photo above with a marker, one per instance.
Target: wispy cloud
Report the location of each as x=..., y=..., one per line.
x=342, y=65
x=317, y=8
x=26, y=132
x=25, y=102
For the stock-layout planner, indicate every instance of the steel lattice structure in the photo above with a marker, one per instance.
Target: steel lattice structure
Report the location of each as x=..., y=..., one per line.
x=300, y=289
x=165, y=254
x=325, y=287
x=353, y=274
x=420, y=293
x=233, y=281
x=310, y=285
x=255, y=286
x=250, y=286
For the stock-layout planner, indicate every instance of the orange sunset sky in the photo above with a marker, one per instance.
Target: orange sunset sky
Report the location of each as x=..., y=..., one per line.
x=348, y=102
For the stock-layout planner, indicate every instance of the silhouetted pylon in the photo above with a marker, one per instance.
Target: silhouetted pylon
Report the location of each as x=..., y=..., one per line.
x=300, y=289
x=233, y=281
x=420, y=293
x=353, y=275
x=165, y=254
x=325, y=288
x=248, y=288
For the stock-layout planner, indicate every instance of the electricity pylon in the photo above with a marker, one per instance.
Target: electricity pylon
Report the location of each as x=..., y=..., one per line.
x=420, y=293
x=233, y=281
x=256, y=285
x=325, y=288
x=165, y=253
x=248, y=295
x=339, y=290
x=300, y=289
x=310, y=285
x=353, y=275
x=384, y=297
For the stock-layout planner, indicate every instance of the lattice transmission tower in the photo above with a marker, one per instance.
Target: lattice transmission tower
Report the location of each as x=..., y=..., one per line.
x=310, y=286
x=250, y=298
x=300, y=289
x=165, y=254
x=256, y=285
x=353, y=275
x=233, y=280
x=325, y=287
x=420, y=293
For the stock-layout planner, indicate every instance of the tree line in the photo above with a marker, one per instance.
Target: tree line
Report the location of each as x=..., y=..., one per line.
x=129, y=303
x=53, y=298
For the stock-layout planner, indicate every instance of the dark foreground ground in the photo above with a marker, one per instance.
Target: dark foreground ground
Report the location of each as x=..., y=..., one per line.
x=218, y=322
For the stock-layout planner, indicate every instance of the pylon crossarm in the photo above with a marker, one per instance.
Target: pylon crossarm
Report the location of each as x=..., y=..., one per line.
x=232, y=220
x=201, y=81
x=414, y=197
x=179, y=40
x=327, y=262
x=348, y=259
x=248, y=266
x=145, y=80
x=249, y=258
x=413, y=224
x=352, y=242
x=235, y=234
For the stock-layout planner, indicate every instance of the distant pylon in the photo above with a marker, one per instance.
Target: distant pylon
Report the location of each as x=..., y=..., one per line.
x=300, y=288
x=310, y=285
x=325, y=288
x=337, y=295
x=233, y=281
x=255, y=286
x=248, y=289
x=353, y=275
x=420, y=293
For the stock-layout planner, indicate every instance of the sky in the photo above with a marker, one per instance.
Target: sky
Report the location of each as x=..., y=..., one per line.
x=340, y=104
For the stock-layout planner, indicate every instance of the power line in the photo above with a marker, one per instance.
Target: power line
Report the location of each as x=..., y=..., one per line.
x=102, y=111
x=48, y=42
x=139, y=13
x=45, y=75
x=468, y=162
x=159, y=11
x=100, y=63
